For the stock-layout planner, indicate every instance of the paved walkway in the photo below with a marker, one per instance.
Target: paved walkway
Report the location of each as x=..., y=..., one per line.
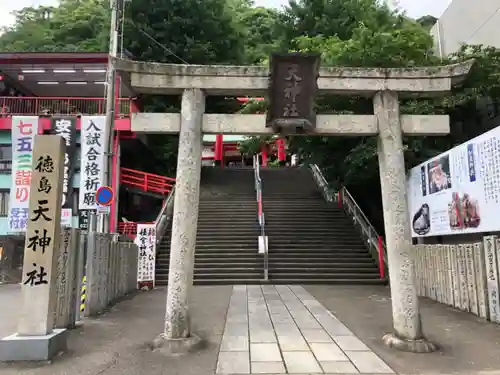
x=285, y=330
x=118, y=342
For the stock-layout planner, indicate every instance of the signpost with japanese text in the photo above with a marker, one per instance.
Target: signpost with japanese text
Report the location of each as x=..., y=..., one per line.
x=92, y=160
x=83, y=219
x=146, y=242
x=66, y=128
x=36, y=316
x=292, y=91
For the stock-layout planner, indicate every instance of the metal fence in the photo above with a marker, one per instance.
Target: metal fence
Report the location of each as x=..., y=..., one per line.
x=464, y=276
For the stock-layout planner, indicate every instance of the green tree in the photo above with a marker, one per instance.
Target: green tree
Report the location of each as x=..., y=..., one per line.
x=261, y=28
x=338, y=18
x=71, y=26
x=373, y=36
x=191, y=31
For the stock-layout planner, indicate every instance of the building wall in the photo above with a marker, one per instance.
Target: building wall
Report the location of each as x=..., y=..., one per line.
x=6, y=182
x=467, y=22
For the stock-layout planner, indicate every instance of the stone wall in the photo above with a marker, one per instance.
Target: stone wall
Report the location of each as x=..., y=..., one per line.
x=464, y=276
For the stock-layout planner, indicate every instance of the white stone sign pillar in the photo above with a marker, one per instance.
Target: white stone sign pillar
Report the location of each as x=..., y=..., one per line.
x=35, y=338
x=407, y=334
x=177, y=334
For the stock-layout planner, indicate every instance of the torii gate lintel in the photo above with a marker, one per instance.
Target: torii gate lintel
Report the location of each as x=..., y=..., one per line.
x=386, y=86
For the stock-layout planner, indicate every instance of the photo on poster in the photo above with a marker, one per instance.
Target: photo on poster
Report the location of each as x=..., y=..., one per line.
x=421, y=222
x=463, y=212
x=439, y=176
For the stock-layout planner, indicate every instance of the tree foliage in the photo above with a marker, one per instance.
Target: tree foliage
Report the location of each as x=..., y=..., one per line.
x=359, y=33
x=72, y=26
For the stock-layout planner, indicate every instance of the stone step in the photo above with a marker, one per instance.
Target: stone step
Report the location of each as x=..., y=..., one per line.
x=314, y=274
x=316, y=249
x=226, y=216
x=335, y=269
x=299, y=265
x=226, y=247
x=257, y=274
x=255, y=280
x=234, y=233
x=334, y=229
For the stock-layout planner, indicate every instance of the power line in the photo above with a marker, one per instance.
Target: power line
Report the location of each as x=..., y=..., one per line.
x=484, y=23
x=141, y=30
x=169, y=51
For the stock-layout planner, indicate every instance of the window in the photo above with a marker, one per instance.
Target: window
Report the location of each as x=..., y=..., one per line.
x=4, y=202
x=5, y=152
x=5, y=159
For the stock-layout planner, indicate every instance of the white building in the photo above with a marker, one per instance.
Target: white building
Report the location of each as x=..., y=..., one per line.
x=467, y=22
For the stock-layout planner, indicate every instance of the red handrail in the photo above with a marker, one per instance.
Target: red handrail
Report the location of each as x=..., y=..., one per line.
x=45, y=106
x=129, y=228
x=146, y=181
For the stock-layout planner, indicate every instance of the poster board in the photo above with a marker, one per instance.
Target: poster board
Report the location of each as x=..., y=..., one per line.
x=458, y=191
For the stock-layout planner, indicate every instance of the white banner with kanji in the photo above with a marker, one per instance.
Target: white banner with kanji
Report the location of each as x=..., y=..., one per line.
x=24, y=129
x=146, y=243
x=93, y=141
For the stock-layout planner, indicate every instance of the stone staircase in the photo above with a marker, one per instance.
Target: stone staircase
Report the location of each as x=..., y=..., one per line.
x=311, y=241
x=227, y=238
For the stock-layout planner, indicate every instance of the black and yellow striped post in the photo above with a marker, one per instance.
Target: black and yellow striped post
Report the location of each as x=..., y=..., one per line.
x=83, y=294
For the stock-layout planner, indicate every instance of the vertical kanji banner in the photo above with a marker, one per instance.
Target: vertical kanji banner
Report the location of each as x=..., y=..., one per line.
x=146, y=243
x=92, y=160
x=24, y=130
x=83, y=219
x=66, y=128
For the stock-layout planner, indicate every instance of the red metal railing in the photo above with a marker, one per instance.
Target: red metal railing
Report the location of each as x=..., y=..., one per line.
x=128, y=228
x=149, y=182
x=45, y=106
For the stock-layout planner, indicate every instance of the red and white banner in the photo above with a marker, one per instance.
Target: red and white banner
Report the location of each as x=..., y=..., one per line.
x=24, y=129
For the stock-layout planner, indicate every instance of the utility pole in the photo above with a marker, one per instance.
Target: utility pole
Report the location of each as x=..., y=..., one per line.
x=110, y=107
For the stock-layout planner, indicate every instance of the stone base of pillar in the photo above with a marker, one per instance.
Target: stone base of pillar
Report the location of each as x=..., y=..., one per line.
x=177, y=347
x=33, y=348
x=392, y=340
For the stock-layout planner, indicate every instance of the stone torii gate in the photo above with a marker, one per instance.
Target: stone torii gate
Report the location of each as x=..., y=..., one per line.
x=386, y=86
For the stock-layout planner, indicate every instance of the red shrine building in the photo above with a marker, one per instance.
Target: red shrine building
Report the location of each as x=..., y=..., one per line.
x=64, y=93
x=223, y=150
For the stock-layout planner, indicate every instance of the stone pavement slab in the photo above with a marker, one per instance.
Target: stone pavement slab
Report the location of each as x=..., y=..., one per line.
x=117, y=342
x=10, y=302
x=469, y=345
x=289, y=332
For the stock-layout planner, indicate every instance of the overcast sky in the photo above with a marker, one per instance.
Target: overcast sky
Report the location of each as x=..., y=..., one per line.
x=414, y=8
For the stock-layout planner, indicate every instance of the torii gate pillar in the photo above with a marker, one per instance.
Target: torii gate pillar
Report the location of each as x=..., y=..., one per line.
x=407, y=334
x=177, y=335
